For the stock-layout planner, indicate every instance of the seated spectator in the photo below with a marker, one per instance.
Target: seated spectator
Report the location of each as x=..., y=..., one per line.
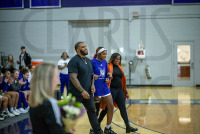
x=31, y=69
x=7, y=102
x=26, y=87
x=13, y=96
x=4, y=102
x=16, y=86
x=1, y=116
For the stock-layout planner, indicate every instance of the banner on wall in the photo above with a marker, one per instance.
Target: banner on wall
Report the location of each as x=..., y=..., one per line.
x=45, y=3
x=185, y=1
x=11, y=4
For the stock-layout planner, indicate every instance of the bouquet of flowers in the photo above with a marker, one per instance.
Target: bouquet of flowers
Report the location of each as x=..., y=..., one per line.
x=71, y=111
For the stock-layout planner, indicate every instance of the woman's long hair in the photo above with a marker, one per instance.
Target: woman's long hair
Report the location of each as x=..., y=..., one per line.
x=15, y=72
x=114, y=56
x=12, y=60
x=41, y=83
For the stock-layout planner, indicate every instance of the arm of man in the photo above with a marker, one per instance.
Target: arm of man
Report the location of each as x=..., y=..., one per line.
x=93, y=90
x=93, y=78
x=19, y=61
x=28, y=59
x=76, y=83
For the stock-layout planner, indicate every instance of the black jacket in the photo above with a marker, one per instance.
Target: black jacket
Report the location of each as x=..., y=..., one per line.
x=27, y=59
x=45, y=120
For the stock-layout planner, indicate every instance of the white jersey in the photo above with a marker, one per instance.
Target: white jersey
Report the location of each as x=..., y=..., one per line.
x=30, y=75
x=62, y=63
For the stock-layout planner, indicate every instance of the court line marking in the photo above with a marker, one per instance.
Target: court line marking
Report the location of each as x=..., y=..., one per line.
x=164, y=101
x=128, y=120
x=146, y=128
x=134, y=123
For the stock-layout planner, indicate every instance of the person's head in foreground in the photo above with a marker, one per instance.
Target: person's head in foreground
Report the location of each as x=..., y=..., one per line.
x=44, y=112
x=43, y=83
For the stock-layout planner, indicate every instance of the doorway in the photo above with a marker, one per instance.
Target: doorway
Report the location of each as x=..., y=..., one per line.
x=183, y=64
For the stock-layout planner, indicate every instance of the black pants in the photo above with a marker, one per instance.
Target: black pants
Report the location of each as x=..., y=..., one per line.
x=89, y=105
x=118, y=97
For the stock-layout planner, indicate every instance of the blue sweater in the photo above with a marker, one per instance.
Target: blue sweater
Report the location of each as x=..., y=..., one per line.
x=20, y=76
x=25, y=86
x=5, y=86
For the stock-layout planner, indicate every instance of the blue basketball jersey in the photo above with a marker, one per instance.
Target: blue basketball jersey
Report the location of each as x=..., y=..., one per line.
x=100, y=68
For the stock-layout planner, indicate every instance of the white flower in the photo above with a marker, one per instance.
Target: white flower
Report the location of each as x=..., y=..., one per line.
x=71, y=110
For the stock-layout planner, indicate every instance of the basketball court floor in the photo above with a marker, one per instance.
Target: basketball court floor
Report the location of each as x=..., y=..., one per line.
x=153, y=110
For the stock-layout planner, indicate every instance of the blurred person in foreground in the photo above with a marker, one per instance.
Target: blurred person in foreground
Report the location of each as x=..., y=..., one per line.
x=44, y=112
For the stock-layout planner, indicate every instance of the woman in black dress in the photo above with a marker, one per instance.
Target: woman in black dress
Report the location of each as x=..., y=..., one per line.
x=118, y=90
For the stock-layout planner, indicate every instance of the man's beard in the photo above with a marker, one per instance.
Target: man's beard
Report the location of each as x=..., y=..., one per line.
x=83, y=53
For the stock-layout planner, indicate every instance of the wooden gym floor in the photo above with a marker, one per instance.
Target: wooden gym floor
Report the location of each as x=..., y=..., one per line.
x=153, y=110
x=157, y=110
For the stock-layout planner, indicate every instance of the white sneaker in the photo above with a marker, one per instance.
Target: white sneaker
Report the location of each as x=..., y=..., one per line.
x=17, y=111
x=10, y=114
x=14, y=112
x=5, y=115
x=1, y=117
x=21, y=110
x=27, y=109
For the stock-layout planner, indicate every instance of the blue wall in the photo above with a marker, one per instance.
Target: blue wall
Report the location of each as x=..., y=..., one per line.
x=97, y=3
x=186, y=1
x=11, y=4
x=91, y=3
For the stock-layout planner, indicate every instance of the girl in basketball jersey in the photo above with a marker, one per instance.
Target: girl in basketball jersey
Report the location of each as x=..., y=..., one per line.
x=97, y=102
x=118, y=90
x=103, y=93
